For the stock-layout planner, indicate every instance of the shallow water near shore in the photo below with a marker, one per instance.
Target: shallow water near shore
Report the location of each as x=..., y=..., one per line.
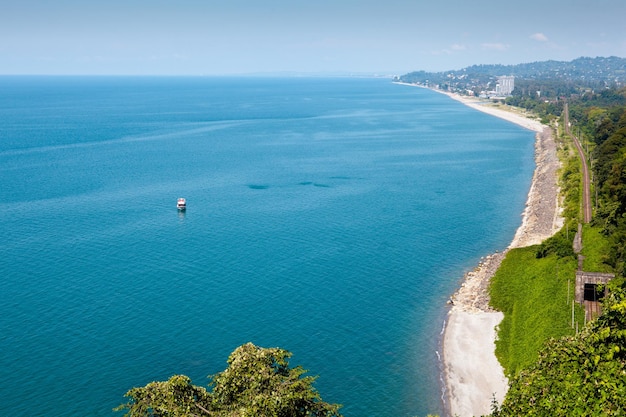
x=329, y=217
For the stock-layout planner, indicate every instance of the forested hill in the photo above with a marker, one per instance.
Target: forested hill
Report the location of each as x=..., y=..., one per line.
x=590, y=72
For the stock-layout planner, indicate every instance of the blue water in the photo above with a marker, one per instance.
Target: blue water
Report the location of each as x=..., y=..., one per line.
x=329, y=217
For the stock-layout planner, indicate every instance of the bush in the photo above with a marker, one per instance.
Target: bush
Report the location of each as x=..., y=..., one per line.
x=535, y=297
x=582, y=375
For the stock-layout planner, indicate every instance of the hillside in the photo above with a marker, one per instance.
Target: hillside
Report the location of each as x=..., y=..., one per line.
x=584, y=73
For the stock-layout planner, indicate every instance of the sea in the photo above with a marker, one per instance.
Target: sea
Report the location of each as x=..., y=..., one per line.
x=331, y=217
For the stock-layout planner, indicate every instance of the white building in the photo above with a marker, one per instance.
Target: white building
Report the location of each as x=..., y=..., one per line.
x=505, y=85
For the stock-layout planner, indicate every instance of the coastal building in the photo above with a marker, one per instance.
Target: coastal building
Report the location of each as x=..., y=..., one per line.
x=505, y=85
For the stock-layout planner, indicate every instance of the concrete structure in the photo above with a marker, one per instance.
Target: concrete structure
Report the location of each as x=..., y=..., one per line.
x=505, y=85
x=587, y=292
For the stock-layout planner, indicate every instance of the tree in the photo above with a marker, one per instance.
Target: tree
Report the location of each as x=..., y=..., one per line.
x=176, y=397
x=257, y=382
x=583, y=375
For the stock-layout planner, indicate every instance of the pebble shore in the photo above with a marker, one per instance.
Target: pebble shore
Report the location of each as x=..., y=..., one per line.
x=473, y=376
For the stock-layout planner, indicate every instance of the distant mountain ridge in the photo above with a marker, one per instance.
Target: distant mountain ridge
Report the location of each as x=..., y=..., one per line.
x=609, y=71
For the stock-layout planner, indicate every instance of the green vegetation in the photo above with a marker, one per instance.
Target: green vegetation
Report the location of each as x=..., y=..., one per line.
x=257, y=382
x=582, y=375
x=535, y=295
x=560, y=245
x=595, y=250
x=534, y=286
x=579, y=374
x=571, y=187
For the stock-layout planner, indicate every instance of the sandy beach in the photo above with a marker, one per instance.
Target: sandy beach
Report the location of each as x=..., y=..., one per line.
x=473, y=375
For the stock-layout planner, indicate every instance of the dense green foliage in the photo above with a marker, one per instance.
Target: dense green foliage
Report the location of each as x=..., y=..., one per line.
x=604, y=129
x=560, y=245
x=533, y=294
x=595, y=250
x=582, y=375
x=571, y=187
x=257, y=382
x=547, y=98
x=176, y=397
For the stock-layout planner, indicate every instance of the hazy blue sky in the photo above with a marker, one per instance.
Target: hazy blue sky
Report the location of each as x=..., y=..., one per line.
x=247, y=36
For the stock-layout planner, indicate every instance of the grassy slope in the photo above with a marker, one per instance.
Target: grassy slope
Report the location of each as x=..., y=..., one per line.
x=537, y=304
x=536, y=294
x=595, y=248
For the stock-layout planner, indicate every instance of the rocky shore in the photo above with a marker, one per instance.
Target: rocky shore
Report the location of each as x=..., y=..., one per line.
x=473, y=375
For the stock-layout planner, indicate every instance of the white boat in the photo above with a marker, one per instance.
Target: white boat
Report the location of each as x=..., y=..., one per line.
x=181, y=204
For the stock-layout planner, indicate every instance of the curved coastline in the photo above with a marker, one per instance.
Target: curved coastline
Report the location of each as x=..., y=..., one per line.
x=472, y=375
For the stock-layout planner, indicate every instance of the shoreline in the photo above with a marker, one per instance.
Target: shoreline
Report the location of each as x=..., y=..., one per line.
x=472, y=375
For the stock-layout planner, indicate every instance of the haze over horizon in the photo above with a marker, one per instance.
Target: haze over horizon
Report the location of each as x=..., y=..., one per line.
x=195, y=37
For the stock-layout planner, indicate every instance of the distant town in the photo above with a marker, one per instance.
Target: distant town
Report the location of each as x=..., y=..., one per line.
x=547, y=79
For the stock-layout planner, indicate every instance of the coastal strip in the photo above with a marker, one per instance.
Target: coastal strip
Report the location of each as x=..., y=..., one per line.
x=472, y=374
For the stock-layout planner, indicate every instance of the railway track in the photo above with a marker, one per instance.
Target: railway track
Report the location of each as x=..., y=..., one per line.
x=586, y=202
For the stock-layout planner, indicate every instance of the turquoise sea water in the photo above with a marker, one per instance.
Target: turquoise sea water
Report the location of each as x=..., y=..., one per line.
x=329, y=217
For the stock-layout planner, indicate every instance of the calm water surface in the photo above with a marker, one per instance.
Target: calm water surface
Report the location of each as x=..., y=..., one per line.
x=329, y=217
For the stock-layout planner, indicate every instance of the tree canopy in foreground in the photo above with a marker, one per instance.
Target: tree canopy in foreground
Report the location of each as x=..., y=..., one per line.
x=257, y=382
x=582, y=375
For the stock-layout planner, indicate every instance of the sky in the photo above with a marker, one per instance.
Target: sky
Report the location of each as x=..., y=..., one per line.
x=237, y=37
